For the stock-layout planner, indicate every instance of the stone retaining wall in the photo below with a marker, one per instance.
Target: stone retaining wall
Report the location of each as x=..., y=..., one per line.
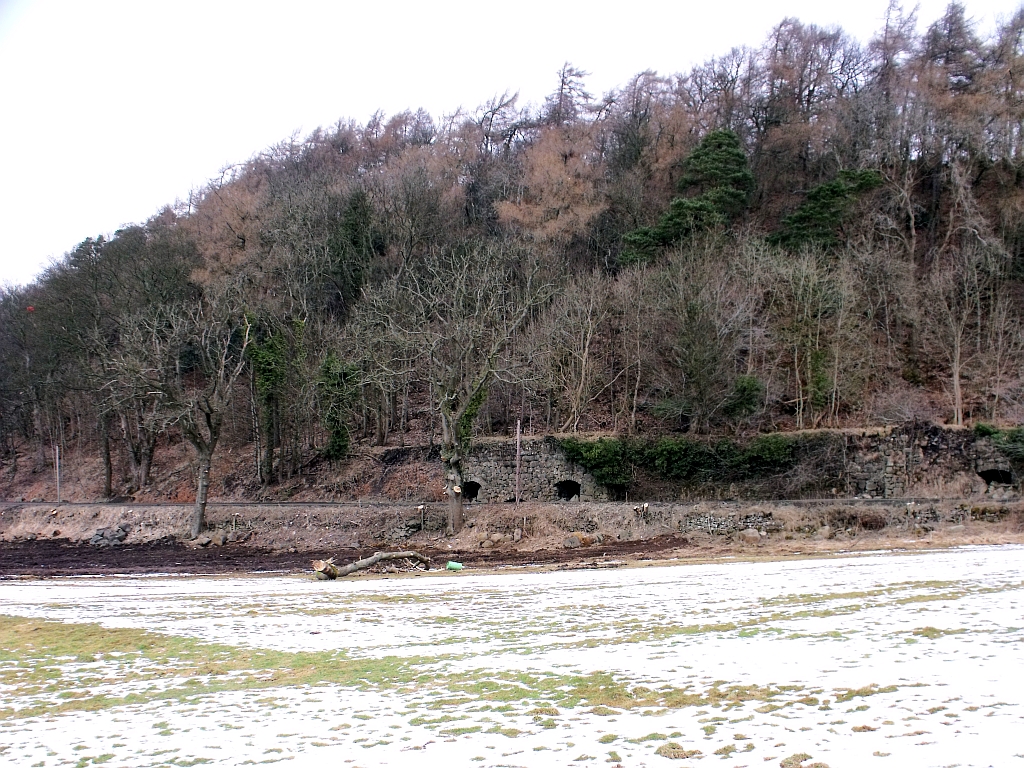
x=913, y=460
x=906, y=461
x=545, y=473
x=722, y=524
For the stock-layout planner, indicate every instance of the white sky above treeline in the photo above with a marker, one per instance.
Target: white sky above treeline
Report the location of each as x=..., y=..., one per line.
x=110, y=109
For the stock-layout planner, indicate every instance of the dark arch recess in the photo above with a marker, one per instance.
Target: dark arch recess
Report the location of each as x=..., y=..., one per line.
x=470, y=490
x=567, y=490
x=1001, y=476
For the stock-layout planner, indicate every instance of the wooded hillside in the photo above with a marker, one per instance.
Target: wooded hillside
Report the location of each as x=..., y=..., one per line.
x=816, y=232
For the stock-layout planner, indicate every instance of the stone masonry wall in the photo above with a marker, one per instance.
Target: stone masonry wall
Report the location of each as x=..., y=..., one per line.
x=543, y=467
x=912, y=460
x=925, y=460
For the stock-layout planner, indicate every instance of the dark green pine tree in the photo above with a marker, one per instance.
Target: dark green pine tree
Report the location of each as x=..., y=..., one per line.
x=819, y=219
x=716, y=184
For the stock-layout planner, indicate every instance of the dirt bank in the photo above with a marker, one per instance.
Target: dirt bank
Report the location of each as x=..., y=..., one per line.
x=37, y=539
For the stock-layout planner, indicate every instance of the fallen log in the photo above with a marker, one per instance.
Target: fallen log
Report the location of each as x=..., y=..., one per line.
x=325, y=569
x=331, y=571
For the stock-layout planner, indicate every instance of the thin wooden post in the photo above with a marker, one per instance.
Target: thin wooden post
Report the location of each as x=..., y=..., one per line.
x=519, y=458
x=56, y=468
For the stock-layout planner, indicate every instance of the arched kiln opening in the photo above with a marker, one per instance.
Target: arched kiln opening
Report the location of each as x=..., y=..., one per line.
x=567, y=490
x=470, y=490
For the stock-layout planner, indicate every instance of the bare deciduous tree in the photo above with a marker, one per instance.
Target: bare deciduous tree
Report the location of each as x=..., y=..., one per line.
x=566, y=345
x=953, y=293
x=453, y=314
x=131, y=393
x=216, y=334
x=187, y=357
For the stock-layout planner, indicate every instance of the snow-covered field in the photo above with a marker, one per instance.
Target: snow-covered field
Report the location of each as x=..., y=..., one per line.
x=888, y=659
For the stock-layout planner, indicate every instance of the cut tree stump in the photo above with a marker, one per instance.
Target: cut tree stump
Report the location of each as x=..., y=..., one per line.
x=326, y=569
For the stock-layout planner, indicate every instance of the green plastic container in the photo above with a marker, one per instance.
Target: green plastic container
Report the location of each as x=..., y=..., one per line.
x=453, y=566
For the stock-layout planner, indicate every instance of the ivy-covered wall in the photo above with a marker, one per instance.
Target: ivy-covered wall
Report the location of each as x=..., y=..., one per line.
x=913, y=460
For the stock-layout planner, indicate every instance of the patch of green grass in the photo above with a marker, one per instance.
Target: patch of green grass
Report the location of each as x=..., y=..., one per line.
x=428, y=721
x=41, y=653
x=675, y=751
x=462, y=731
x=932, y=633
x=544, y=711
x=796, y=761
x=608, y=738
x=510, y=733
x=649, y=737
x=868, y=690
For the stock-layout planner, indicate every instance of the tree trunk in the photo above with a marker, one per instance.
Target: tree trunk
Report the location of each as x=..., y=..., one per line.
x=451, y=460
x=405, y=410
x=325, y=569
x=332, y=571
x=454, y=491
x=37, y=428
x=203, y=486
x=267, y=461
x=958, y=397
x=140, y=459
x=146, y=462
x=271, y=473
x=107, y=465
x=257, y=429
x=140, y=445
x=799, y=389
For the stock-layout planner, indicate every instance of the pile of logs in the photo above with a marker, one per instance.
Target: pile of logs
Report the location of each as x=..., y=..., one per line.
x=327, y=569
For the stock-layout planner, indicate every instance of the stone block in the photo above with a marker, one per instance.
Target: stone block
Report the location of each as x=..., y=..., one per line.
x=750, y=536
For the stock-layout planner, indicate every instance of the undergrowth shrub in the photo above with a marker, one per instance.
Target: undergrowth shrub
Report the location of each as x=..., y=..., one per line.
x=1009, y=442
x=805, y=461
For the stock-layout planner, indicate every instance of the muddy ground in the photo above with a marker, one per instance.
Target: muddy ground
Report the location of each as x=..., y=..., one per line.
x=78, y=539
x=51, y=558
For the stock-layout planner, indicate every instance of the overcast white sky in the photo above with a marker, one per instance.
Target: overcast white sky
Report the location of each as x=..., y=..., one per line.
x=110, y=109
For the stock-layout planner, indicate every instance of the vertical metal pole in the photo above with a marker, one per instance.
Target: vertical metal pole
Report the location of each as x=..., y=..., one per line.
x=519, y=458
